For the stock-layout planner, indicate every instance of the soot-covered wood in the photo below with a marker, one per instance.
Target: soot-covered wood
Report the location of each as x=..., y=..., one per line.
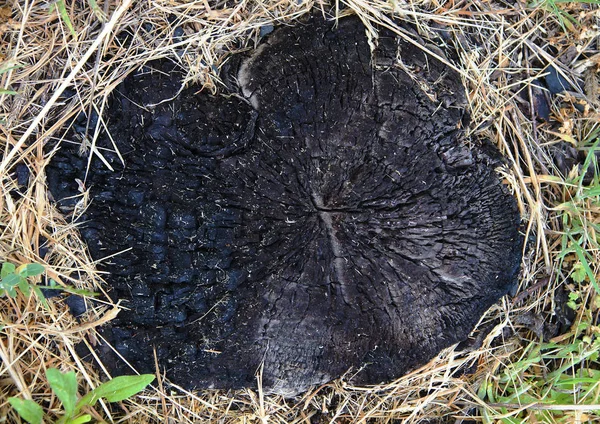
x=322, y=215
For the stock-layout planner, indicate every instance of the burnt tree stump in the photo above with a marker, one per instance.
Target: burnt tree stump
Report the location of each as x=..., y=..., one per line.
x=322, y=215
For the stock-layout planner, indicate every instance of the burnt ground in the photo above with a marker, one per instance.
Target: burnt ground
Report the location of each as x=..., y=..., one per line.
x=321, y=215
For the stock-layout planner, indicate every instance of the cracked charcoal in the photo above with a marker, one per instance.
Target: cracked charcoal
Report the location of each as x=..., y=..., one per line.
x=323, y=215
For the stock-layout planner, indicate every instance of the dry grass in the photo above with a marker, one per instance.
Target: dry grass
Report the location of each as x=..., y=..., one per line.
x=503, y=47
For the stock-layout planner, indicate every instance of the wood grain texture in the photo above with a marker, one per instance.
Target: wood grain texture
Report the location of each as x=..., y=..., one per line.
x=323, y=215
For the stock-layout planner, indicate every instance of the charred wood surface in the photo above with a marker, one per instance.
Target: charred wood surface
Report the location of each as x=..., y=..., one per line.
x=322, y=215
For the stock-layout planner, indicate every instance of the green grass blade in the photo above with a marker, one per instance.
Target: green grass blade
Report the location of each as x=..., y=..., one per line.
x=8, y=66
x=588, y=160
x=41, y=297
x=97, y=11
x=64, y=15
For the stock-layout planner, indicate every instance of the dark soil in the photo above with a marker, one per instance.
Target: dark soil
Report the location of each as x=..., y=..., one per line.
x=322, y=215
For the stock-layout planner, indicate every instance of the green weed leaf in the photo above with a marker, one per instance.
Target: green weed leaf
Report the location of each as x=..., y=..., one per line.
x=27, y=409
x=65, y=388
x=5, y=91
x=573, y=298
x=31, y=270
x=7, y=268
x=9, y=282
x=24, y=286
x=117, y=389
x=10, y=291
x=579, y=273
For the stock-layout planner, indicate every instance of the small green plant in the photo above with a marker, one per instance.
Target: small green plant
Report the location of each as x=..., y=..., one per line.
x=14, y=278
x=64, y=386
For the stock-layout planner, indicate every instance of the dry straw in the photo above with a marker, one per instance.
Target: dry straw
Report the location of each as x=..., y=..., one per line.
x=55, y=66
